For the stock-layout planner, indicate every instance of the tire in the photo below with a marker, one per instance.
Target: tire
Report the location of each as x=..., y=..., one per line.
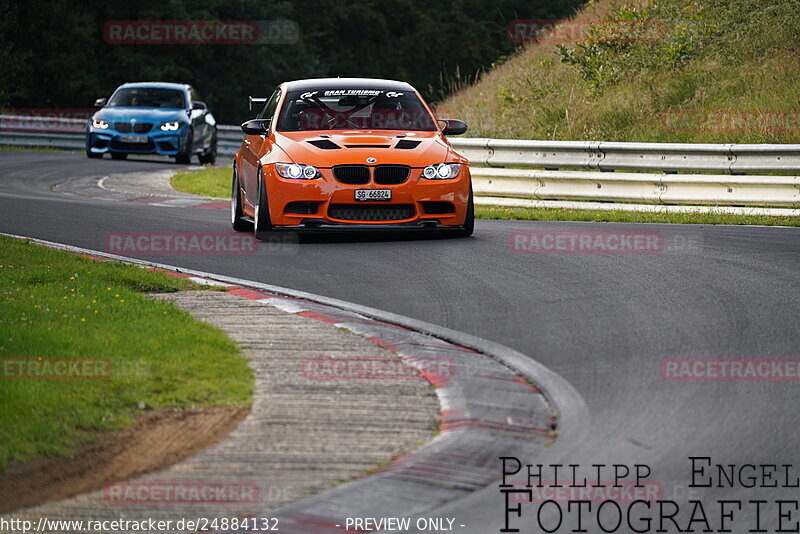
x=119, y=155
x=210, y=155
x=94, y=155
x=239, y=224
x=185, y=156
x=261, y=221
x=469, y=224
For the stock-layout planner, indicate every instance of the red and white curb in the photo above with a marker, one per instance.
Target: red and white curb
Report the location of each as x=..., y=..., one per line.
x=495, y=402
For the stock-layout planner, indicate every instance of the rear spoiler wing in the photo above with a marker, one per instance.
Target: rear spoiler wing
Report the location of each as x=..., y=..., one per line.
x=257, y=101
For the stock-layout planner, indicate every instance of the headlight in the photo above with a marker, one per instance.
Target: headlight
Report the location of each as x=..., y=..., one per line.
x=441, y=171
x=296, y=171
x=100, y=124
x=170, y=126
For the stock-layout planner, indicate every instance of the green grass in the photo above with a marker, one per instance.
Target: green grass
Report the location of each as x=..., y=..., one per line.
x=209, y=182
x=546, y=214
x=56, y=304
x=712, y=56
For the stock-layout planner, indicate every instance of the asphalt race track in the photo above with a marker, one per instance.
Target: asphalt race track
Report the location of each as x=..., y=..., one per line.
x=604, y=322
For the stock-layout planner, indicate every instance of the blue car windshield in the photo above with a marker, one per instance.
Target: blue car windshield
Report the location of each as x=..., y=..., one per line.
x=148, y=97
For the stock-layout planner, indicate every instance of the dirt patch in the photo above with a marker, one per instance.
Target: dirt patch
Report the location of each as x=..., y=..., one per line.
x=157, y=439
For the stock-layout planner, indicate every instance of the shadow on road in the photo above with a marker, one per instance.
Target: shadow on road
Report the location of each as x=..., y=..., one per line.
x=353, y=236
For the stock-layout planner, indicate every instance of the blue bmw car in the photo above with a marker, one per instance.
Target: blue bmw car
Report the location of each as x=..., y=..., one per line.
x=153, y=118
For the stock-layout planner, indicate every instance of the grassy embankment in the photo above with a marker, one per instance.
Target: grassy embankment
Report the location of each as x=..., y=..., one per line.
x=631, y=75
x=57, y=304
x=659, y=71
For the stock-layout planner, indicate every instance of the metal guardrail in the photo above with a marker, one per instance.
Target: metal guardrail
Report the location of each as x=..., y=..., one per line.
x=42, y=132
x=229, y=139
x=61, y=141
x=493, y=178
x=606, y=156
x=69, y=133
x=647, y=188
x=508, y=168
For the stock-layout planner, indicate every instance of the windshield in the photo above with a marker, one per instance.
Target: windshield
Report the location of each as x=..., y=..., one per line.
x=148, y=97
x=347, y=109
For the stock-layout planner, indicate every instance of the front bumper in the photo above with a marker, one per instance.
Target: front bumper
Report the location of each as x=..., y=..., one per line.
x=156, y=142
x=326, y=203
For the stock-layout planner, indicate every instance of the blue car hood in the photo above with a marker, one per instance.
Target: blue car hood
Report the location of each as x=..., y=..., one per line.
x=152, y=115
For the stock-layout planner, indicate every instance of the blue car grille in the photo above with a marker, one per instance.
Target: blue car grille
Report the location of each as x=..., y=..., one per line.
x=116, y=144
x=126, y=127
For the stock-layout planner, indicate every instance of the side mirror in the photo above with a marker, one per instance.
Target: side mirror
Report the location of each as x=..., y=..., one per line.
x=100, y=102
x=256, y=126
x=199, y=105
x=453, y=126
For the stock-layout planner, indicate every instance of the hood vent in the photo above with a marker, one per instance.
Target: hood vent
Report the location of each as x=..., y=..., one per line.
x=407, y=144
x=325, y=144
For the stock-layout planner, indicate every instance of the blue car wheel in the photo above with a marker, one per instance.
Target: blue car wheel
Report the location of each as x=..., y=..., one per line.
x=185, y=155
x=210, y=155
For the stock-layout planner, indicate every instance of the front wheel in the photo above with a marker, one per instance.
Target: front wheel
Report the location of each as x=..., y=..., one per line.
x=469, y=224
x=185, y=155
x=239, y=224
x=94, y=155
x=261, y=221
x=210, y=155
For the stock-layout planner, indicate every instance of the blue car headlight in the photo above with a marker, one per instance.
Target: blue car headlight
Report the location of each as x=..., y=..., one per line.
x=170, y=126
x=100, y=124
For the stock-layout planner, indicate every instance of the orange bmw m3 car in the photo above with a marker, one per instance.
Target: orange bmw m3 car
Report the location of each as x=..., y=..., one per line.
x=349, y=153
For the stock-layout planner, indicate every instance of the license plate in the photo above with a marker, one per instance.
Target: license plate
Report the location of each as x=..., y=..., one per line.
x=373, y=194
x=133, y=138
